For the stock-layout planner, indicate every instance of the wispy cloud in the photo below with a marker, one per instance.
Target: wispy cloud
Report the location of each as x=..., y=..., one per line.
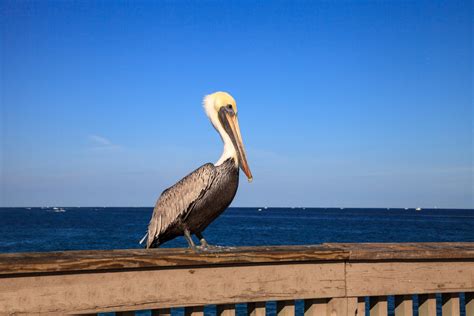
x=101, y=142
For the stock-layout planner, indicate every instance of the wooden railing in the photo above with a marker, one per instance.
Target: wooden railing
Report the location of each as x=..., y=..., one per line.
x=332, y=279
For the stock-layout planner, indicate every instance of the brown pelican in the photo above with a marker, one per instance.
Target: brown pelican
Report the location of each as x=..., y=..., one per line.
x=190, y=205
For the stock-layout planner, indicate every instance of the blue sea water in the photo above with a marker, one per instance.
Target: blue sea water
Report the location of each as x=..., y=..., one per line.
x=46, y=229
x=68, y=228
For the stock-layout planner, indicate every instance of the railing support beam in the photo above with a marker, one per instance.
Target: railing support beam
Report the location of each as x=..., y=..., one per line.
x=285, y=308
x=378, y=306
x=450, y=304
x=256, y=309
x=194, y=311
x=225, y=310
x=469, y=299
x=427, y=305
x=403, y=305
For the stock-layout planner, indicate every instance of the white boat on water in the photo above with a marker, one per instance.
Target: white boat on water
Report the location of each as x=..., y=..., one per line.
x=418, y=209
x=259, y=210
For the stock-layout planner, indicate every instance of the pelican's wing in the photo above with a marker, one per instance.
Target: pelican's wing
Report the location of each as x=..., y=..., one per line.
x=177, y=201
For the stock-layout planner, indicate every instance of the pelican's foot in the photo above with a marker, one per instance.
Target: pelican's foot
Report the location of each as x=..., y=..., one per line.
x=211, y=248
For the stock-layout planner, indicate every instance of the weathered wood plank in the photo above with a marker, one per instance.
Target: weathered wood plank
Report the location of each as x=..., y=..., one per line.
x=286, y=308
x=93, y=260
x=378, y=306
x=450, y=304
x=400, y=278
x=256, y=309
x=403, y=305
x=135, y=290
x=225, y=310
x=113, y=260
x=469, y=301
x=315, y=307
x=427, y=305
x=406, y=251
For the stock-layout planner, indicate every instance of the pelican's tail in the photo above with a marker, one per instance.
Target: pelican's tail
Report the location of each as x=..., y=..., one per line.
x=143, y=239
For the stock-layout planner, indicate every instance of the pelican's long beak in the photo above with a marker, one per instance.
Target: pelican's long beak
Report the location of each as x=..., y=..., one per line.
x=230, y=123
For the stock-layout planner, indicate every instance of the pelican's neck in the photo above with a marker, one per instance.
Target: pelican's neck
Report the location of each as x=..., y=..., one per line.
x=229, y=152
x=229, y=149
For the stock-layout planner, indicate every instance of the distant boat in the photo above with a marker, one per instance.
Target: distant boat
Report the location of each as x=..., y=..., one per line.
x=418, y=209
x=406, y=208
x=58, y=210
x=259, y=210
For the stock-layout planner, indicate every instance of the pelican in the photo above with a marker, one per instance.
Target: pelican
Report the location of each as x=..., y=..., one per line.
x=190, y=205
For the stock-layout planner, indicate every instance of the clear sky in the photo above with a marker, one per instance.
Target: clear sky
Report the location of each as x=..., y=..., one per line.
x=344, y=104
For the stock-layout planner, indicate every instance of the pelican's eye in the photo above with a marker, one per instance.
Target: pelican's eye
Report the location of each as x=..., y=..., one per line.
x=229, y=106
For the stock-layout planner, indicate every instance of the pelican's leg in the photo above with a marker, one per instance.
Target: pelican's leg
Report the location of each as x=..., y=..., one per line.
x=189, y=239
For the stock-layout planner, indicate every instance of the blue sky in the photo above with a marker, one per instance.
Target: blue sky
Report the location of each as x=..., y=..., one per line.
x=345, y=104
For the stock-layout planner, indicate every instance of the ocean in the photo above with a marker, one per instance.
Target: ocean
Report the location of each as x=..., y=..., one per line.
x=81, y=228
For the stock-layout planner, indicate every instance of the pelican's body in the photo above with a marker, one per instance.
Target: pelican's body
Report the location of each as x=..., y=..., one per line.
x=190, y=205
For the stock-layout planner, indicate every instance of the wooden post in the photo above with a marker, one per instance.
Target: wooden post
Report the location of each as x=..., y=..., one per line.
x=315, y=307
x=285, y=308
x=225, y=310
x=450, y=304
x=337, y=307
x=469, y=299
x=353, y=306
x=161, y=312
x=378, y=306
x=403, y=305
x=194, y=311
x=360, y=306
x=427, y=305
x=256, y=309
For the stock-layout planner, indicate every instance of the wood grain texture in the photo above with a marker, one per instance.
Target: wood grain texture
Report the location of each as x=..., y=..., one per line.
x=398, y=278
x=135, y=290
x=406, y=251
x=113, y=260
x=340, y=274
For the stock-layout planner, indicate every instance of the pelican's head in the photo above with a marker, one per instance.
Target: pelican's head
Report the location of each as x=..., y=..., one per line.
x=222, y=111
